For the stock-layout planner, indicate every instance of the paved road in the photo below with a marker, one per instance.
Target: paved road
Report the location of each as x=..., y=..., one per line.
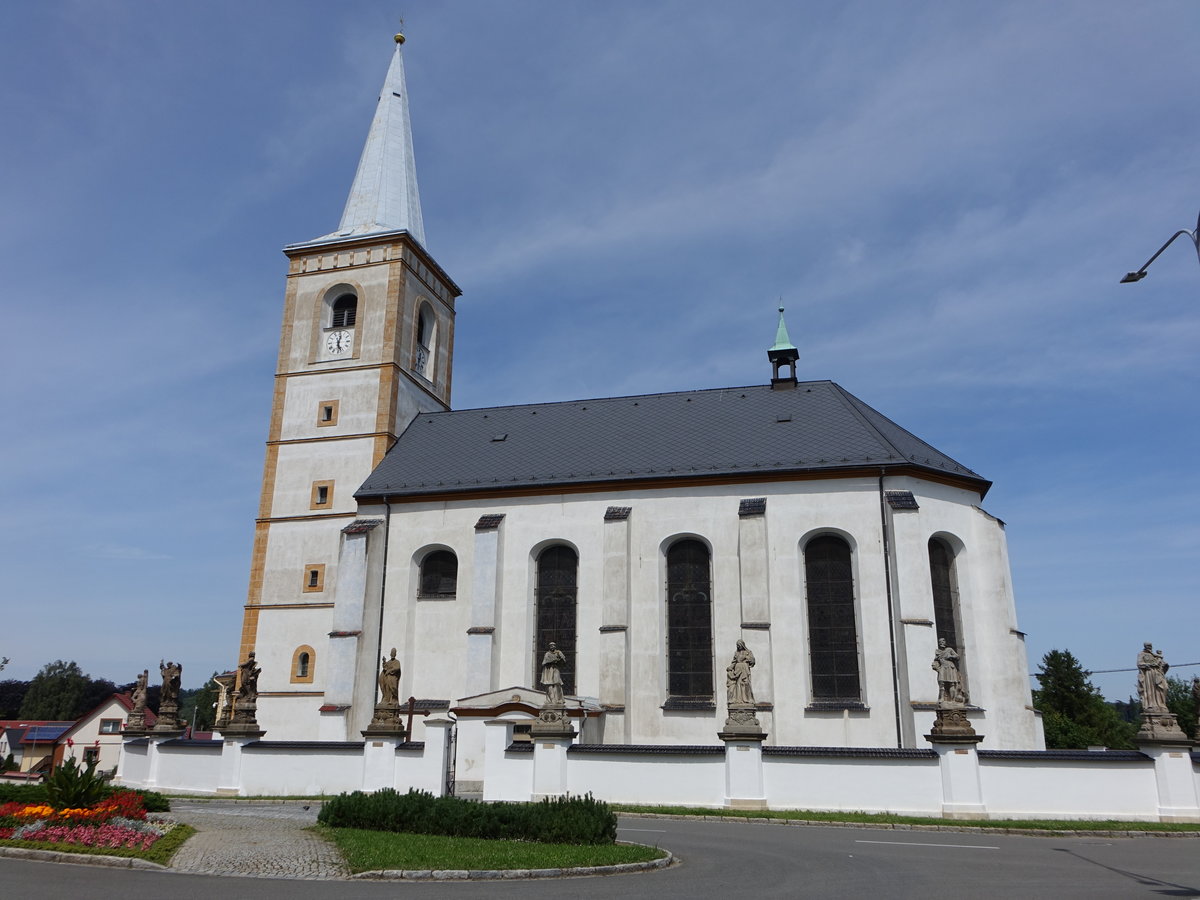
x=758, y=861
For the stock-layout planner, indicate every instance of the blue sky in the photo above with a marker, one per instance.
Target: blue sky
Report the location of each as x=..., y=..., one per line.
x=944, y=195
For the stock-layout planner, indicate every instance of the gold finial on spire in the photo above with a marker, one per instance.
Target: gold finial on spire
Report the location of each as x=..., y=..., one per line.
x=400, y=33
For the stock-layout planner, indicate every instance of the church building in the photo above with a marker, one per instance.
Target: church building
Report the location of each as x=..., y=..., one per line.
x=643, y=535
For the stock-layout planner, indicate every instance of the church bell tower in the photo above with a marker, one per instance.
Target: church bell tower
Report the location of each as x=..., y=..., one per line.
x=366, y=345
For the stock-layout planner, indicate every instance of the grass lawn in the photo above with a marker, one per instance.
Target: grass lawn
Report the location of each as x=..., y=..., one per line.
x=888, y=819
x=160, y=852
x=366, y=851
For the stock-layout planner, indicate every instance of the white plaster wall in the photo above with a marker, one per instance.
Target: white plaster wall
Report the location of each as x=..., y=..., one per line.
x=1069, y=790
x=134, y=764
x=660, y=779
x=292, y=546
x=433, y=633
x=87, y=734
x=300, y=771
x=357, y=393
x=189, y=768
x=289, y=718
x=347, y=463
x=909, y=786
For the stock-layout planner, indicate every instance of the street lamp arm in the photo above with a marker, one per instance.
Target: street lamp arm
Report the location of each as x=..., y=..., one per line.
x=1131, y=277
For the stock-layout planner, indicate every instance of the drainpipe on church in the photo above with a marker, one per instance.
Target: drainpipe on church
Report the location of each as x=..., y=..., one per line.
x=387, y=532
x=885, y=527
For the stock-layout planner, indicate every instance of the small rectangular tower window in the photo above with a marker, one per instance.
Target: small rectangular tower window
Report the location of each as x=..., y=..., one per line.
x=322, y=495
x=327, y=412
x=314, y=578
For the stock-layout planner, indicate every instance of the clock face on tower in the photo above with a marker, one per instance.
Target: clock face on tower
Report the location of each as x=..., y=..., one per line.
x=338, y=342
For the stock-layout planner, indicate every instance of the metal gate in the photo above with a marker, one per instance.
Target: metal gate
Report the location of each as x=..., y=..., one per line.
x=452, y=744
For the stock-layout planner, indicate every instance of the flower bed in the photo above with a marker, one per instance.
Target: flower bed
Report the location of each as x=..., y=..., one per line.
x=117, y=821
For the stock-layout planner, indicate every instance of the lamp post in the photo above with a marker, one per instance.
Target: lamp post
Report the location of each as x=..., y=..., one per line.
x=1131, y=277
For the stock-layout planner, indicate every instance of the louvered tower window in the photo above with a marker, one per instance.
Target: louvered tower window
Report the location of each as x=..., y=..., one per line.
x=345, y=311
x=439, y=575
x=556, y=595
x=689, y=621
x=945, y=592
x=832, y=629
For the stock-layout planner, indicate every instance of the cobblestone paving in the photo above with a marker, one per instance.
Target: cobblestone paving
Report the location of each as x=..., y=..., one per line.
x=254, y=839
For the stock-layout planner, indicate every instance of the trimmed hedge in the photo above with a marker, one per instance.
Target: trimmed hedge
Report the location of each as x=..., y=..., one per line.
x=561, y=820
x=152, y=801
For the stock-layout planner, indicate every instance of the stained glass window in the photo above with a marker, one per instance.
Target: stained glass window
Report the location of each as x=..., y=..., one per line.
x=689, y=620
x=832, y=628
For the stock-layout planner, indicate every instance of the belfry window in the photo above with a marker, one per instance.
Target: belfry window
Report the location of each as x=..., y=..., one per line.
x=439, y=575
x=345, y=311
x=423, y=353
x=945, y=592
x=832, y=629
x=689, y=621
x=555, y=597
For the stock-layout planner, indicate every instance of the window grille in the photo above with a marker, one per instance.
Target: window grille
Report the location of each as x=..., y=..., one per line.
x=556, y=596
x=832, y=629
x=439, y=575
x=345, y=311
x=689, y=620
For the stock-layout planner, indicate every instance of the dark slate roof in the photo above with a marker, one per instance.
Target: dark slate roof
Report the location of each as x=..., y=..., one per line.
x=749, y=431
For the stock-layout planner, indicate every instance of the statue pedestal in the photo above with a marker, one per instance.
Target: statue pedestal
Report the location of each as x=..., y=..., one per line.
x=552, y=736
x=954, y=741
x=951, y=725
x=385, y=723
x=1161, y=727
x=1178, y=791
x=741, y=721
x=744, y=787
x=379, y=757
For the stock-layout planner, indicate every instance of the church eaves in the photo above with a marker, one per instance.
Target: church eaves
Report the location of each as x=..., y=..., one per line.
x=384, y=197
x=743, y=433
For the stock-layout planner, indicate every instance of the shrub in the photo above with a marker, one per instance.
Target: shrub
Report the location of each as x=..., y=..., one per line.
x=152, y=801
x=562, y=820
x=71, y=786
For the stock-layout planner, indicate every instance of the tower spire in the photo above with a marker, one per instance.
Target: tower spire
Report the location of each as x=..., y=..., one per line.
x=783, y=354
x=384, y=195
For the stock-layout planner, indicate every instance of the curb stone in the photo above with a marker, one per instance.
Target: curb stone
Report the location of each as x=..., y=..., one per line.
x=87, y=859
x=902, y=826
x=513, y=874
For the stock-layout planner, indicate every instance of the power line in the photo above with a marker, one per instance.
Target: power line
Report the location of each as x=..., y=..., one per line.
x=1134, y=669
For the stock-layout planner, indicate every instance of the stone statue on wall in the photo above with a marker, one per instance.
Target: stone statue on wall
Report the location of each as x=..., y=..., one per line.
x=248, y=686
x=737, y=677
x=552, y=663
x=1158, y=725
x=137, y=715
x=172, y=676
x=1152, y=679
x=389, y=681
x=945, y=663
x=168, y=701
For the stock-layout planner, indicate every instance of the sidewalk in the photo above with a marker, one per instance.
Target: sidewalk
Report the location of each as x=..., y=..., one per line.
x=263, y=840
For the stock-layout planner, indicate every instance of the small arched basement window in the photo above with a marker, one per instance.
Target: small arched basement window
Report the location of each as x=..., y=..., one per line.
x=832, y=625
x=345, y=311
x=689, y=621
x=439, y=575
x=303, y=664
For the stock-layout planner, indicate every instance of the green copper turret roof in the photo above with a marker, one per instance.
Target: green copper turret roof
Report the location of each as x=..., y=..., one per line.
x=782, y=341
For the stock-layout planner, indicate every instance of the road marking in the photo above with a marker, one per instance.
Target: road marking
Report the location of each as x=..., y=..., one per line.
x=655, y=830
x=923, y=844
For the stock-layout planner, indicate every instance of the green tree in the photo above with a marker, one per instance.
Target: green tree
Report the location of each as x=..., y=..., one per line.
x=1181, y=702
x=12, y=693
x=202, y=701
x=1074, y=712
x=60, y=691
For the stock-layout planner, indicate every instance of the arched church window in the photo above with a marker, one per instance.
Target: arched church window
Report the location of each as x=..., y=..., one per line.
x=439, y=575
x=555, y=598
x=832, y=629
x=945, y=592
x=345, y=311
x=689, y=620
x=426, y=332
